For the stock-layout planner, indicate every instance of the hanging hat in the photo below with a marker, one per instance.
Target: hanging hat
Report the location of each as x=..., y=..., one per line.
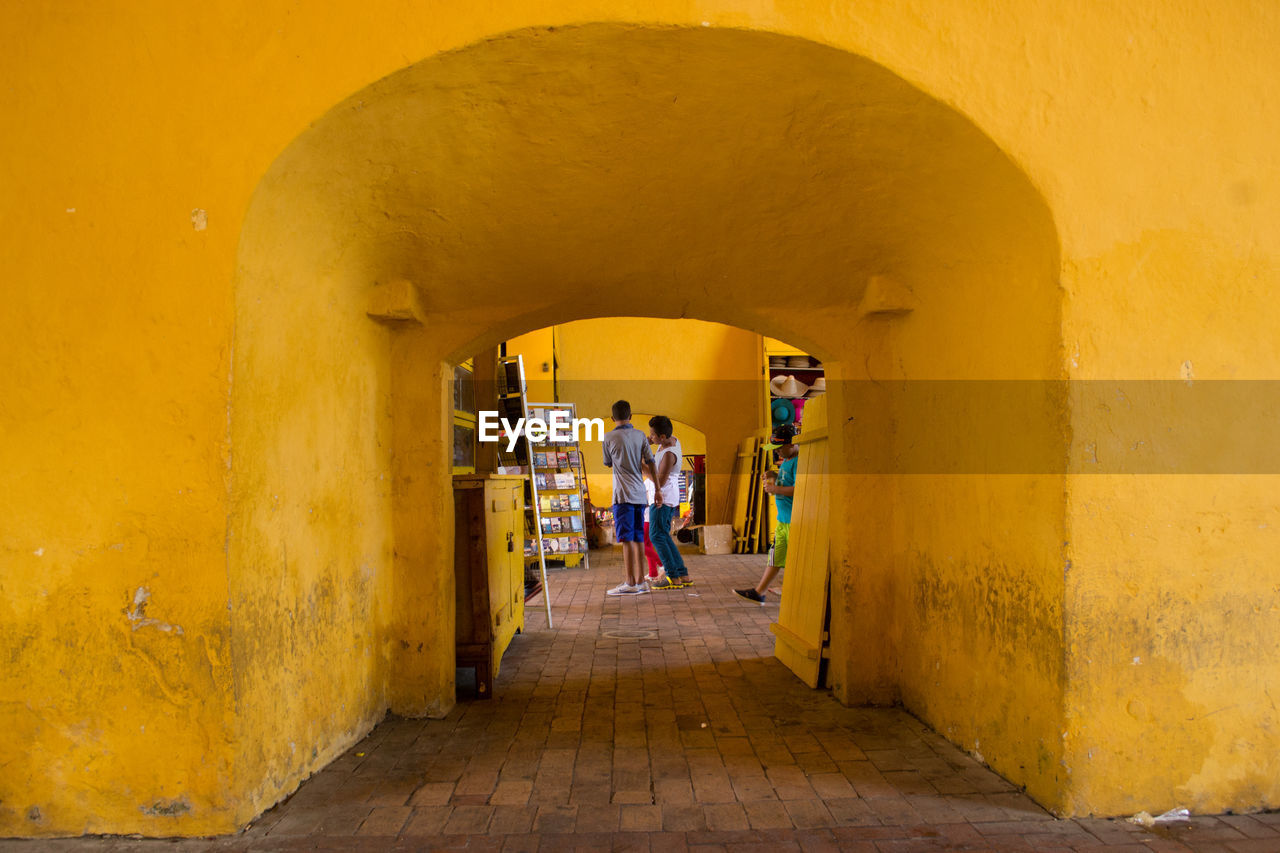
x=792, y=388
x=783, y=412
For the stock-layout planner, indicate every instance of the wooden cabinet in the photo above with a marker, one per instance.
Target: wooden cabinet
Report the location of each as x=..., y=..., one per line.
x=488, y=565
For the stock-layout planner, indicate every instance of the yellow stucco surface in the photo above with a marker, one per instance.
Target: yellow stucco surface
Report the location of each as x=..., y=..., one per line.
x=537, y=348
x=225, y=486
x=706, y=375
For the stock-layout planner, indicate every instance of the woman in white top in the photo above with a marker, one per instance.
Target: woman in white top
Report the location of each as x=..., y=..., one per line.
x=666, y=506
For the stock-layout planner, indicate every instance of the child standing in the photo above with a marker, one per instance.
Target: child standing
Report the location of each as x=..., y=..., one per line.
x=782, y=486
x=627, y=452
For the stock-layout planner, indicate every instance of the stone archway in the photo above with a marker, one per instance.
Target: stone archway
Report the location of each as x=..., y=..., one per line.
x=746, y=178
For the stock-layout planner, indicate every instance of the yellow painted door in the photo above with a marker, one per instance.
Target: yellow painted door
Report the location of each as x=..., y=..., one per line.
x=500, y=530
x=802, y=612
x=515, y=567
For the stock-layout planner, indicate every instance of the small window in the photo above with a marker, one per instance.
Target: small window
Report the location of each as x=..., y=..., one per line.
x=464, y=448
x=464, y=390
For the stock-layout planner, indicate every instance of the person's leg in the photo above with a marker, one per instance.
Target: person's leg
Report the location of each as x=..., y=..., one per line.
x=633, y=555
x=660, y=531
x=633, y=550
x=622, y=529
x=683, y=570
x=770, y=572
x=781, y=538
x=777, y=561
x=675, y=547
x=626, y=564
x=650, y=555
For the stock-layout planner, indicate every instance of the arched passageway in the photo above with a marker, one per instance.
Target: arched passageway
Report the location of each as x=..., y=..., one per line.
x=704, y=375
x=759, y=181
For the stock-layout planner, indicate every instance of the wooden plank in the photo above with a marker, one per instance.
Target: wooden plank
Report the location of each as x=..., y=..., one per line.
x=741, y=509
x=765, y=514
x=760, y=505
x=798, y=643
x=802, y=611
x=750, y=528
x=738, y=487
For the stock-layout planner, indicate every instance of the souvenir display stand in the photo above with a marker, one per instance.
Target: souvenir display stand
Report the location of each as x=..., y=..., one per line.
x=561, y=483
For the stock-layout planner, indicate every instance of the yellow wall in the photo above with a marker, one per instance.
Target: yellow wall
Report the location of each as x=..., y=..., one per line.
x=706, y=375
x=538, y=349
x=310, y=533
x=198, y=416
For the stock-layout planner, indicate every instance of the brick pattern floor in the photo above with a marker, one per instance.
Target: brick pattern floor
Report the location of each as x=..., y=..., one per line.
x=662, y=722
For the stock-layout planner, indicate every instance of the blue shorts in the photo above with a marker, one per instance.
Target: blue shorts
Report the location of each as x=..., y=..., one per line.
x=628, y=522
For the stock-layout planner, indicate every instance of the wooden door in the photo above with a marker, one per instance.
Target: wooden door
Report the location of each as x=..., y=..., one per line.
x=802, y=611
x=500, y=530
x=515, y=559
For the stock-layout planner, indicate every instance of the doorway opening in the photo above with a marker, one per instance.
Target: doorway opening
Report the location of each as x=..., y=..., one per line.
x=766, y=183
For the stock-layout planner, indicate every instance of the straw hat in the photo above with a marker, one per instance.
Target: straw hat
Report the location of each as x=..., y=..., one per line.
x=787, y=386
x=819, y=386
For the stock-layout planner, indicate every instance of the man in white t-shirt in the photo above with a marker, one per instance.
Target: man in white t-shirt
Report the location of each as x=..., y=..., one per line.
x=666, y=504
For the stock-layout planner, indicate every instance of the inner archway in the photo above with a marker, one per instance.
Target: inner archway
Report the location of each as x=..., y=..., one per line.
x=545, y=176
x=703, y=375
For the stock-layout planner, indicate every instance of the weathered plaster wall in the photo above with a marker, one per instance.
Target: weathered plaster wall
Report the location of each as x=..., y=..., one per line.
x=950, y=570
x=310, y=536
x=1174, y=583
x=116, y=688
x=135, y=141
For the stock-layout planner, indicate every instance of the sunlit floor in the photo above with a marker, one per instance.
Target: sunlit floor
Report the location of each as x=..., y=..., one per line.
x=662, y=722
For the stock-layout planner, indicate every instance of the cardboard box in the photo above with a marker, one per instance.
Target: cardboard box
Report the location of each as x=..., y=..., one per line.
x=716, y=538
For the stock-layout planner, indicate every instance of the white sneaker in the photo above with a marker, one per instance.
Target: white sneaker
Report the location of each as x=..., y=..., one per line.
x=623, y=588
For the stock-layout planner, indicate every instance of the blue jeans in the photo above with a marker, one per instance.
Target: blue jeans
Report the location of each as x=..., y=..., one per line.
x=660, y=534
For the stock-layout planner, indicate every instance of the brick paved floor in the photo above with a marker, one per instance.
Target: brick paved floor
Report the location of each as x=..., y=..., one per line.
x=662, y=722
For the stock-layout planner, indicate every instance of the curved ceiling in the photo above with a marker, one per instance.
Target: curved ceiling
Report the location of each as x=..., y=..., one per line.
x=736, y=176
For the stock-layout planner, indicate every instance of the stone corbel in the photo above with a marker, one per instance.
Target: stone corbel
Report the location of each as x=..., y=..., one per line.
x=886, y=297
x=395, y=303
